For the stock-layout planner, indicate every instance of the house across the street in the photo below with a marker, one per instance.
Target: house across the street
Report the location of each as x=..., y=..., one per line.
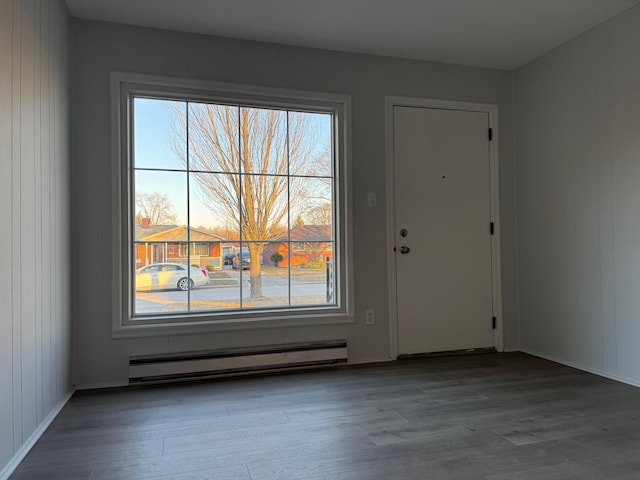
x=177, y=244
x=310, y=244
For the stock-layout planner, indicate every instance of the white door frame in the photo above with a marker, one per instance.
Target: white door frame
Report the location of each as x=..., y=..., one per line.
x=496, y=272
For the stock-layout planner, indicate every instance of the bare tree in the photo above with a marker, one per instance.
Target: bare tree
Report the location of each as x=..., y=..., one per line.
x=251, y=165
x=156, y=207
x=298, y=222
x=227, y=232
x=321, y=214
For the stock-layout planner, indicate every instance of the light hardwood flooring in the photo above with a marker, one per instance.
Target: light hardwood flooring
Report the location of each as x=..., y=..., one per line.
x=476, y=417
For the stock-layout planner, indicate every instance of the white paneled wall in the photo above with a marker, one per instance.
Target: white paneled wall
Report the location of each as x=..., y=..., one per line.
x=578, y=201
x=34, y=221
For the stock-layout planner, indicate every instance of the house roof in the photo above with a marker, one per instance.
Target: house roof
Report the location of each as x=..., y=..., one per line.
x=311, y=233
x=143, y=232
x=175, y=234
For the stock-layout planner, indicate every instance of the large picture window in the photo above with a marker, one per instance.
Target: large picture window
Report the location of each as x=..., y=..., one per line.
x=221, y=195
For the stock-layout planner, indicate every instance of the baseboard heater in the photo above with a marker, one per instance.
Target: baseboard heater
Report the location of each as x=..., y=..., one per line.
x=193, y=365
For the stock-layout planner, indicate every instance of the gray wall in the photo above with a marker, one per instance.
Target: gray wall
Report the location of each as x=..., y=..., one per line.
x=99, y=48
x=34, y=240
x=578, y=200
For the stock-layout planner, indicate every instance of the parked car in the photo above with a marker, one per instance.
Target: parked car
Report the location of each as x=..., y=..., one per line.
x=170, y=275
x=242, y=258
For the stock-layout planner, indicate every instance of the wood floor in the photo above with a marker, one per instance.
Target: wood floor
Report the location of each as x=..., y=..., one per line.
x=489, y=417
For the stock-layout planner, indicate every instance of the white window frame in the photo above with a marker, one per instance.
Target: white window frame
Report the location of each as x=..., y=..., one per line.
x=295, y=246
x=123, y=87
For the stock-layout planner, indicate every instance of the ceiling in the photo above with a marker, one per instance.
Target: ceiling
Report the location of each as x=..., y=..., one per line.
x=502, y=34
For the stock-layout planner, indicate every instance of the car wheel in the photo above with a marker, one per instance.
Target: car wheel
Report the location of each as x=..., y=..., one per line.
x=185, y=284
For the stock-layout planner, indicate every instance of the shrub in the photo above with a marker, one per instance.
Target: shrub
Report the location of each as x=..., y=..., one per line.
x=276, y=258
x=210, y=268
x=319, y=263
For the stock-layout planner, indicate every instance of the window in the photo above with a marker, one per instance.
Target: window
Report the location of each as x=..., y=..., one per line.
x=170, y=268
x=210, y=172
x=196, y=250
x=151, y=269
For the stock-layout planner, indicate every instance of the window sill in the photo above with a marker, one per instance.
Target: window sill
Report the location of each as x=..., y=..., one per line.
x=145, y=328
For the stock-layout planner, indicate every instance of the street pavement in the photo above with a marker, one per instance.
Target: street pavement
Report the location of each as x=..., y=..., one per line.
x=273, y=286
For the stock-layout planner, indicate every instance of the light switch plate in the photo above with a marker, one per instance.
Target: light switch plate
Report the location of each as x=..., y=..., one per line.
x=372, y=200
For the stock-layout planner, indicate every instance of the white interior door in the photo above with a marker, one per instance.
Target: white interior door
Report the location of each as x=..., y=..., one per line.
x=443, y=206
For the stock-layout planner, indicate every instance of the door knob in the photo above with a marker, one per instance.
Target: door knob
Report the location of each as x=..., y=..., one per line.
x=404, y=249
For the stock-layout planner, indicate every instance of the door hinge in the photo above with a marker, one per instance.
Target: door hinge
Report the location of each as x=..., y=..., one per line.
x=490, y=134
x=493, y=322
x=491, y=228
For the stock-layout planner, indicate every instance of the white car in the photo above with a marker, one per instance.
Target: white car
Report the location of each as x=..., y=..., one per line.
x=170, y=275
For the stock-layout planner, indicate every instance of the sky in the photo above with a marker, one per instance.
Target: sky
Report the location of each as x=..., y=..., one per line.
x=153, y=135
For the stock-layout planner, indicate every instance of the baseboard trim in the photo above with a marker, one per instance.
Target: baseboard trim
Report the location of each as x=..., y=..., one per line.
x=102, y=385
x=447, y=353
x=584, y=368
x=10, y=467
